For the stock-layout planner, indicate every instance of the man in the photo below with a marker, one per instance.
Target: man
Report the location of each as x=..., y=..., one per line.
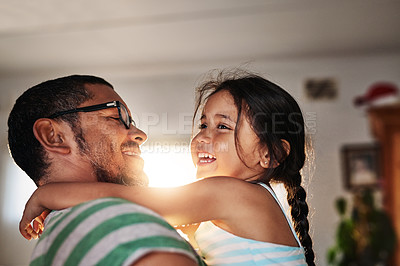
x=78, y=129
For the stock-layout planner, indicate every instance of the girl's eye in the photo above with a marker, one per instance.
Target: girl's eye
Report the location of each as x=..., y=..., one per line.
x=223, y=127
x=202, y=126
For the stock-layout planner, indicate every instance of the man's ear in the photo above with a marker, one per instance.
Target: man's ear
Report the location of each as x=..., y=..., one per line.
x=51, y=135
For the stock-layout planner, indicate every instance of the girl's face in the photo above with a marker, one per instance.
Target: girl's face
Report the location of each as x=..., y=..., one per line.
x=213, y=148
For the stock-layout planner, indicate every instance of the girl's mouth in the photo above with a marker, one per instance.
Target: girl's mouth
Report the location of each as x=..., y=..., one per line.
x=205, y=158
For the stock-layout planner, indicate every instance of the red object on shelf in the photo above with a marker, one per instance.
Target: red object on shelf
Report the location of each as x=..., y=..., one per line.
x=377, y=91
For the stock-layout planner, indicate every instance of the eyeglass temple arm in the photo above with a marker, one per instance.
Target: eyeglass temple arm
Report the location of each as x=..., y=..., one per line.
x=87, y=109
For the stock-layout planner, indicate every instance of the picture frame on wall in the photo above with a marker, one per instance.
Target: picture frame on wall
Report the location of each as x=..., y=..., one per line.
x=321, y=89
x=361, y=166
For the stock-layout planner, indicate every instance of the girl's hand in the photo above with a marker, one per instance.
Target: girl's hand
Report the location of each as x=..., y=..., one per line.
x=33, y=211
x=36, y=230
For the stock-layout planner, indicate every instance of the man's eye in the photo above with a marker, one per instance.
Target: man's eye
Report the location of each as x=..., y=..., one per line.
x=114, y=118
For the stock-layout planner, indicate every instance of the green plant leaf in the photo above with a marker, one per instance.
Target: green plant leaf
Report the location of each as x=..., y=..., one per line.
x=331, y=255
x=341, y=206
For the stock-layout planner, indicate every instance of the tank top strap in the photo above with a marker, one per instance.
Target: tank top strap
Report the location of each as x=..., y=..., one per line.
x=283, y=210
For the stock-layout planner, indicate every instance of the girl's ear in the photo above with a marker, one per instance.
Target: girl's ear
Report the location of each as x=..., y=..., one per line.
x=286, y=146
x=51, y=136
x=265, y=158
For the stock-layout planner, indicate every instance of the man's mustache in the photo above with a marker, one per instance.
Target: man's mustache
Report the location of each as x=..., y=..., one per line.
x=131, y=145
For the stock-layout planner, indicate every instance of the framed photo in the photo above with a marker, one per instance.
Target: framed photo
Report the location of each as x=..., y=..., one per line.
x=317, y=89
x=361, y=166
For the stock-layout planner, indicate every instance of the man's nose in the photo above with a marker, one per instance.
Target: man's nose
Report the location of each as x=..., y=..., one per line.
x=137, y=135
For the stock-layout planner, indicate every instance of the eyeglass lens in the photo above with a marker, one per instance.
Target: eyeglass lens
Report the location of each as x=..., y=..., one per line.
x=125, y=116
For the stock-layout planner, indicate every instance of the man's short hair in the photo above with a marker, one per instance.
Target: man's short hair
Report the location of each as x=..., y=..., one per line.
x=42, y=101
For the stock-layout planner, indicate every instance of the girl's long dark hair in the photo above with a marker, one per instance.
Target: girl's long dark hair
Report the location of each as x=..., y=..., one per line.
x=274, y=116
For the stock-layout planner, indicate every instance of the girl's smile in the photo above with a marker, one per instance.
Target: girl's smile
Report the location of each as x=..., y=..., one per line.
x=205, y=158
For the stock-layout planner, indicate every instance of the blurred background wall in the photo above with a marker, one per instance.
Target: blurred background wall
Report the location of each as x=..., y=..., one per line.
x=155, y=52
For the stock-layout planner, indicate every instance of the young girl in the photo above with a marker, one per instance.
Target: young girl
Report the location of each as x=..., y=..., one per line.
x=251, y=134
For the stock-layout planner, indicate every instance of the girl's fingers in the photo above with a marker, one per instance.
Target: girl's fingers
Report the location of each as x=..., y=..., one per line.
x=32, y=232
x=37, y=225
x=28, y=232
x=39, y=222
x=23, y=229
x=26, y=229
x=44, y=214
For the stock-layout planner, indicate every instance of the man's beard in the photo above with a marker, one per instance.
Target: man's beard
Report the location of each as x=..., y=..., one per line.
x=98, y=157
x=104, y=175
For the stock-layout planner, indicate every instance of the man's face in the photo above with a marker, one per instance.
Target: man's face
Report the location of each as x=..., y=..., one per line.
x=112, y=150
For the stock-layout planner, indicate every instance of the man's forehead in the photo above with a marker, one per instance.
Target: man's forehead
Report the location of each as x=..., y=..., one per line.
x=101, y=94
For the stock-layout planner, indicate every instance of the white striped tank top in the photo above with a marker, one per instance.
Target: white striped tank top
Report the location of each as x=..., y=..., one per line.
x=219, y=247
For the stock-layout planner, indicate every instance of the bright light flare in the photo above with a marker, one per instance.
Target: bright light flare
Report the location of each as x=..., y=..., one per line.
x=168, y=165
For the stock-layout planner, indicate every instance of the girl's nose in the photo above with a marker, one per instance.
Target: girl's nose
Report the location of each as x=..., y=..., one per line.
x=202, y=136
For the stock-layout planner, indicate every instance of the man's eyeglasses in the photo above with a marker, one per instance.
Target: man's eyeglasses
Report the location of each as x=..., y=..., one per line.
x=124, y=116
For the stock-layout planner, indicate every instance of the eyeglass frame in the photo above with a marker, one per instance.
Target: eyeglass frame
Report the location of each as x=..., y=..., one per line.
x=98, y=107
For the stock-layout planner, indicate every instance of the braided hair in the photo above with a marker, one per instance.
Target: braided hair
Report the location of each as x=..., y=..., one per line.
x=277, y=120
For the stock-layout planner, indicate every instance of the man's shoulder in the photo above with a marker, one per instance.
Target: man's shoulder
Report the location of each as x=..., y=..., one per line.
x=117, y=203
x=110, y=201
x=104, y=229
x=105, y=214
x=104, y=208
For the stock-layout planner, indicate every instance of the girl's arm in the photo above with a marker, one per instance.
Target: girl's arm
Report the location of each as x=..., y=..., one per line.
x=204, y=200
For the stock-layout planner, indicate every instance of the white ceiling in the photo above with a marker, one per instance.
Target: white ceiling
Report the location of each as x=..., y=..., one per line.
x=44, y=35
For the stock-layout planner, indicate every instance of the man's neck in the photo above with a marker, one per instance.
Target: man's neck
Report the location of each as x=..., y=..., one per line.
x=66, y=170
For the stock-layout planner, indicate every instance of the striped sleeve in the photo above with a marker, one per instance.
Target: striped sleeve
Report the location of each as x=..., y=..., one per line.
x=106, y=231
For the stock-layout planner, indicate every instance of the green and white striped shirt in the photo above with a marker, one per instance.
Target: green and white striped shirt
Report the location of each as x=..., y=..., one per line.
x=107, y=231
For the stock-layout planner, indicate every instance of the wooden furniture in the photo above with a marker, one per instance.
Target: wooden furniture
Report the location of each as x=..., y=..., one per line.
x=385, y=126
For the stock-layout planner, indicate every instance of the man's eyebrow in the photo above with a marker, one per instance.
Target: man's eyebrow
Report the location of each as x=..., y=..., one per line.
x=109, y=111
